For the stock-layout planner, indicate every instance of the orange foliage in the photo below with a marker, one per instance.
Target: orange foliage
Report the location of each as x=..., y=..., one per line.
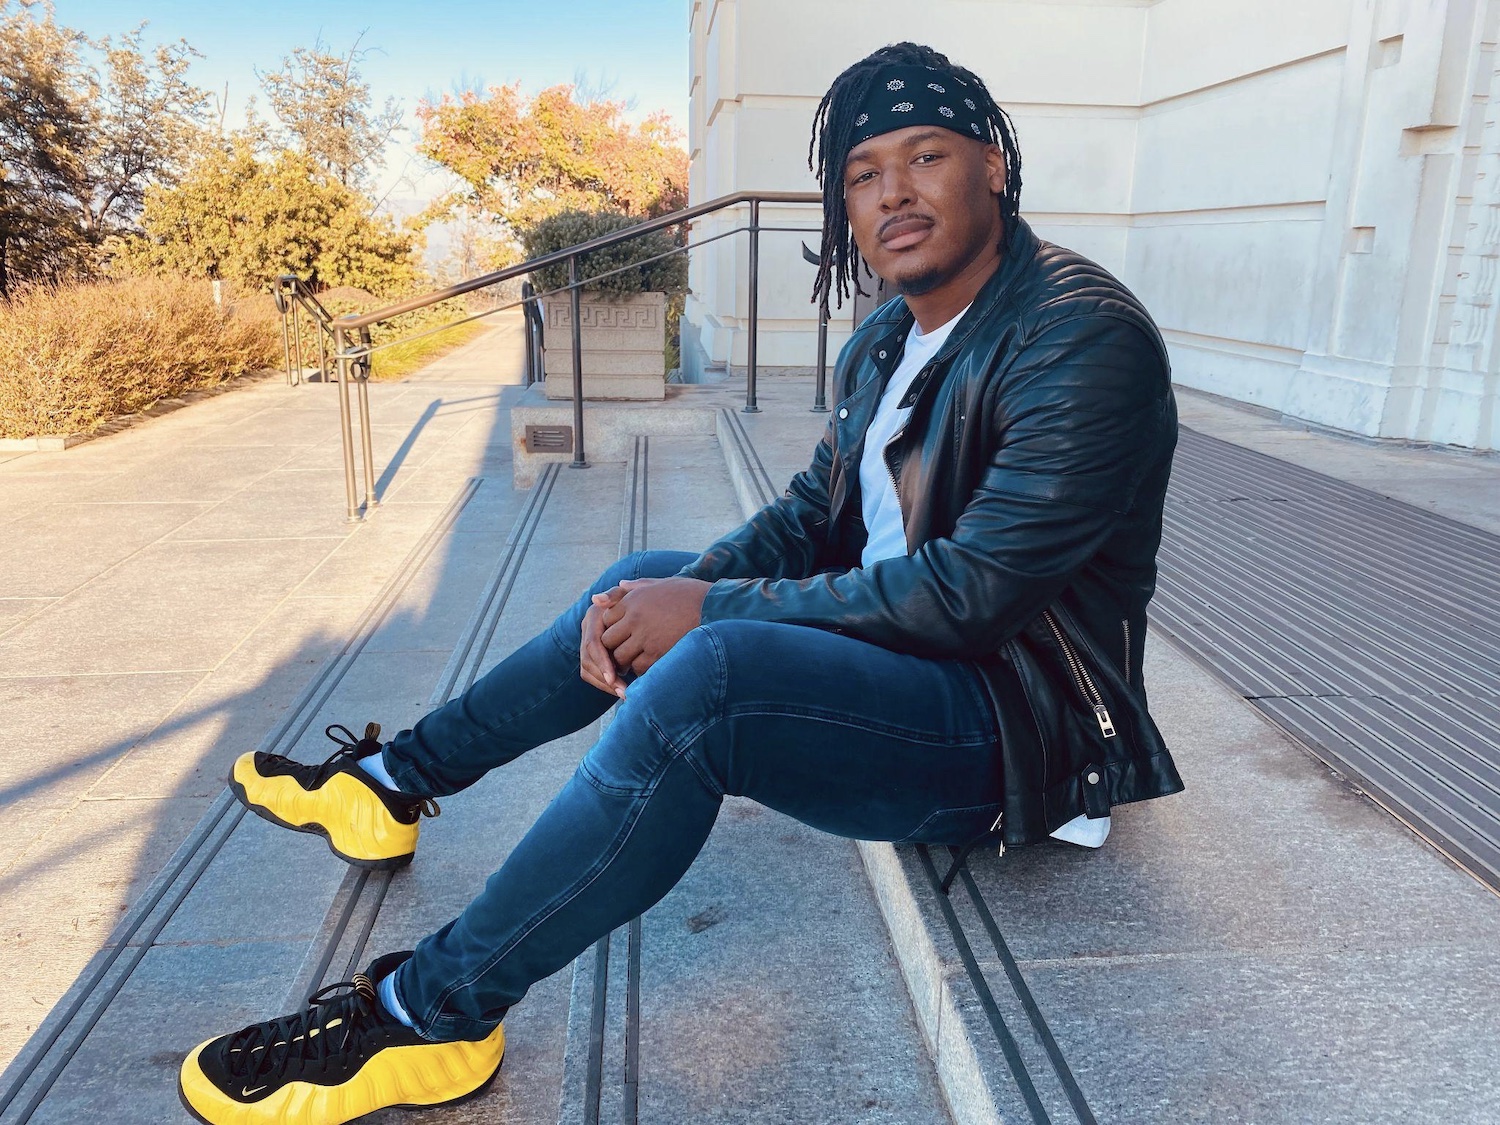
x=524, y=159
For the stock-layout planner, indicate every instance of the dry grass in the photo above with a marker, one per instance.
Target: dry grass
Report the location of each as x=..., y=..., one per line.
x=399, y=357
x=75, y=356
x=406, y=356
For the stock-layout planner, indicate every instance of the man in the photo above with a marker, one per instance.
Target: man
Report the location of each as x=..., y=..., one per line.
x=934, y=635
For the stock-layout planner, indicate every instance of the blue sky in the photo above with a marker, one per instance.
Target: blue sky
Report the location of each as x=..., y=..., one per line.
x=636, y=48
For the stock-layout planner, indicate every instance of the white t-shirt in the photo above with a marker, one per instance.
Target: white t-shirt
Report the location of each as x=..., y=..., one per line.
x=882, y=509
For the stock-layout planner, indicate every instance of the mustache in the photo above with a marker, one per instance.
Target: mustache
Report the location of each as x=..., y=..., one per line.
x=894, y=219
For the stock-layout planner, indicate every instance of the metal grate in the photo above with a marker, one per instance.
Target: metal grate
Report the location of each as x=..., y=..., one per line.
x=549, y=439
x=1364, y=627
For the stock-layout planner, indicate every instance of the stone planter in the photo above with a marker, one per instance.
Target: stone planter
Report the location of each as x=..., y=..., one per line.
x=623, y=346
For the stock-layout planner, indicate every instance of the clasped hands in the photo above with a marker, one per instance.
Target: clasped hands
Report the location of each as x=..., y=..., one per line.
x=633, y=625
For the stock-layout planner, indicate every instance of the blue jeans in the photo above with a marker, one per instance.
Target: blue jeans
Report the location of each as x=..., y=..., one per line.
x=845, y=736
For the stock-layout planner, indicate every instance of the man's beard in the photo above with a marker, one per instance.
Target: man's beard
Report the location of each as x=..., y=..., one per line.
x=922, y=283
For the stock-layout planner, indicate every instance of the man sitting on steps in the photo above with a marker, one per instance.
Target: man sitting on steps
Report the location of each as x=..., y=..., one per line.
x=935, y=635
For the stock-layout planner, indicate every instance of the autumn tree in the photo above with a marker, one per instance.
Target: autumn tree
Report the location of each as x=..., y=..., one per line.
x=325, y=105
x=146, y=120
x=246, y=218
x=522, y=159
x=43, y=137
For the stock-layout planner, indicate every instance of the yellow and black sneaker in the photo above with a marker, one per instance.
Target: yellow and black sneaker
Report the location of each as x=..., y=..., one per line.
x=364, y=823
x=341, y=1058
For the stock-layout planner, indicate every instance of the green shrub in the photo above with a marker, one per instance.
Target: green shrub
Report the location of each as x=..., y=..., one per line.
x=569, y=228
x=665, y=275
x=74, y=356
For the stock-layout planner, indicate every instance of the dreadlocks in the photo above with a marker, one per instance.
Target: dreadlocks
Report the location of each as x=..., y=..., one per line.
x=833, y=128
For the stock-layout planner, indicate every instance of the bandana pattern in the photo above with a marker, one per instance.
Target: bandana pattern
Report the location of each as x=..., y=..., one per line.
x=917, y=95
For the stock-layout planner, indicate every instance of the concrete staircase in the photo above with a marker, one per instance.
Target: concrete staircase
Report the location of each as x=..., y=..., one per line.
x=1269, y=946
x=763, y=987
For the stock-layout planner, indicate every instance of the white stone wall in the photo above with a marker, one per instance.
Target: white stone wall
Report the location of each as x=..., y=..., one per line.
x=1305, y=193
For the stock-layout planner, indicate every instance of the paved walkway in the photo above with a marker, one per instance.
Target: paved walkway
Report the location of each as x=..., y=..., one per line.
x=165, y=593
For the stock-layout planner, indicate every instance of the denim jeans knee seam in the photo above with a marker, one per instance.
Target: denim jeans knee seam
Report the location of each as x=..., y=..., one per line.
x=686, y=754
x=605, y=788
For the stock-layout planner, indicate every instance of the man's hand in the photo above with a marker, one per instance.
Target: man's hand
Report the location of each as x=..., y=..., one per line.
x=595, y=664
x=647, y=618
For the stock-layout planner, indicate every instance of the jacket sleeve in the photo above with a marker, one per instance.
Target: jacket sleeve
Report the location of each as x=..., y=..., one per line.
x=1079, y=418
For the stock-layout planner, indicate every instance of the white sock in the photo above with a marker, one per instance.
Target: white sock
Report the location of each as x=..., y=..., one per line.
x=1084, y=832
x=386, y=990
x=374, y=765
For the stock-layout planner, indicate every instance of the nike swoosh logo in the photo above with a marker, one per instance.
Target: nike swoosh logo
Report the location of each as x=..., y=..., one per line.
x=247, y=1092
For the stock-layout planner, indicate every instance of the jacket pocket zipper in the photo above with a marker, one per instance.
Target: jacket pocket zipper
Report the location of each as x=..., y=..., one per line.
x=1081, y=677
x=1125, y=622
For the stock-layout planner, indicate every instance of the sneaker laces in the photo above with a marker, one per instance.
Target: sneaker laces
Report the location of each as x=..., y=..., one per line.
x=350, y=751
x=327, y=1032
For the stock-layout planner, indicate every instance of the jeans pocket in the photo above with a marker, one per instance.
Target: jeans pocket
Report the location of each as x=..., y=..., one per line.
x=953, y=826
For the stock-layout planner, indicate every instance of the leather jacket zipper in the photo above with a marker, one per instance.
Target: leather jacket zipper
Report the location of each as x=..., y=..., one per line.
x=895, y=436
x=1081, y=677
x=1125, y=622
x=890, y=472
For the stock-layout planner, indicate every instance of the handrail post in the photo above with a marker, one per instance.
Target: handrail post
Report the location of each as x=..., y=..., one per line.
x=754, y=311
x=284, y=308
x=341, y=360
x=579, y=461
x=820, y=396
x=365, y=367
x=527, y=358
x=297, y=340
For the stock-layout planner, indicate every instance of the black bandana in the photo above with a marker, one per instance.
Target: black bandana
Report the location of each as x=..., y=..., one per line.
x=917, y=95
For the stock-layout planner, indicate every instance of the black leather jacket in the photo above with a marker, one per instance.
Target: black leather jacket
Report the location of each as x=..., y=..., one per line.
x=1031, y=476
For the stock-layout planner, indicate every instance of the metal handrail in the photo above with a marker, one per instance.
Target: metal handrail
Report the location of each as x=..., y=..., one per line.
x=557, y=257
x=531, y=311
x=291, y=293
x=352, y=345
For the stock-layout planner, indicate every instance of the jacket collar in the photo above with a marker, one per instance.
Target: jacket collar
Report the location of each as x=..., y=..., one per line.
x=885, y=353
x=854, y=412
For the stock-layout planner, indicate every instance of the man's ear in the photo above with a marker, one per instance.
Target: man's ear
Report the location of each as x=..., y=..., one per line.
x=994, y=164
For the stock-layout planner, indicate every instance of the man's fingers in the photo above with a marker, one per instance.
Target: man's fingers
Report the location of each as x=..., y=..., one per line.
x=627, y=652
x=601, y=675
x=586, y=674
x=595, y=665
x=613, y=635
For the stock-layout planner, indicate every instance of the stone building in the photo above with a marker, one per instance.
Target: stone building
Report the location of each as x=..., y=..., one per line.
x=1305, y=193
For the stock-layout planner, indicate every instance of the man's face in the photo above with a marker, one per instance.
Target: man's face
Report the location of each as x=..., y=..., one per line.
x=922, y=203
